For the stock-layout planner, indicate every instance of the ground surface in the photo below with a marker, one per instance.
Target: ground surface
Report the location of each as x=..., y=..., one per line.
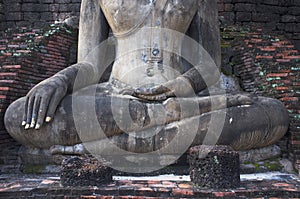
x=267, y=185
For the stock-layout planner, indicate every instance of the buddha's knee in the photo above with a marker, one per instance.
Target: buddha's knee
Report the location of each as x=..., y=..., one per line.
x=58, y=132
x=256, y=126
x=13, y=120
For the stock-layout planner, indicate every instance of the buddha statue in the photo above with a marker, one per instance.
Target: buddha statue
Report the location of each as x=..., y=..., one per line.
x=164, y=53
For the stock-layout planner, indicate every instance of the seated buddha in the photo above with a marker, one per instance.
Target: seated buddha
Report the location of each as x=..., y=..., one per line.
x=163, y=54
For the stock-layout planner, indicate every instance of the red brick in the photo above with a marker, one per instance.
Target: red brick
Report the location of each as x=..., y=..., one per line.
x=184, y=186
x=264, y=57
x=11, y=66
x=292, y=57
x=291, y=51
x=145, y=189
x=295, y=99
x=281, y=185
x=256, y=36
x=282, y=88
x=7, y=54
x=23, y=51
x=13, y=46
x=4, y=88
x=281, y=55
x=164, y=190
x=105, y=197
x=295, y=142
x=159, y=186
x=280, y=43
x=153, y=181
x=283, y=60
x=224, y=194
x=285, y=71
x=277, y=75
x=8, y=74
x=289, y=46
x=269, y=48
x=183, y=192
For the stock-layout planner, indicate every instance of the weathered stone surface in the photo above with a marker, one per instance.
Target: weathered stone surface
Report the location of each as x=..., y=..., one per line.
x=85, y=171
x=287, y=165
x=260, y=154
x=214, y=166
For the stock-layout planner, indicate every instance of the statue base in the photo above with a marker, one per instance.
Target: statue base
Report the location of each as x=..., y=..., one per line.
x=214, y=166
x=85, y=171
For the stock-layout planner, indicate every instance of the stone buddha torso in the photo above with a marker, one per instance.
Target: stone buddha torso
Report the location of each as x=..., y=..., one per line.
x=148, y=38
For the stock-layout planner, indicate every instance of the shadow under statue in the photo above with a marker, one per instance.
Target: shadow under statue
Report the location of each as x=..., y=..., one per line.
x=152, y=94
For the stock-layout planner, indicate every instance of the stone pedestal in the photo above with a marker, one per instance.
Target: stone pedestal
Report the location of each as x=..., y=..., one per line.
x=214, y=166
x=85, y=171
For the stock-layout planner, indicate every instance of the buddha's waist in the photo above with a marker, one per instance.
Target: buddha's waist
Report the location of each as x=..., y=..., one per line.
x=137, y=75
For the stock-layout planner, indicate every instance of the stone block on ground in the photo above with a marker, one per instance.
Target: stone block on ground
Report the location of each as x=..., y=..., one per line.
x=214, y=166
x=255, y=155
x=85, y=171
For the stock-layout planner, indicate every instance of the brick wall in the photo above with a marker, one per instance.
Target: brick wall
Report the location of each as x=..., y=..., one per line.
x=28, y=56
x=36, y=13
x=269, y=65
x=282, y=16
x=2, y=19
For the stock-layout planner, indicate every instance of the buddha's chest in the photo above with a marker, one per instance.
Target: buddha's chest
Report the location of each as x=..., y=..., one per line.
x=126, y=15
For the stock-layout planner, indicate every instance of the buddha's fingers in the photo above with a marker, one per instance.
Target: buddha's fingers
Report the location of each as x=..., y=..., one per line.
x=35, y=111
x=42, y=112
x=53, y=103
x=25, y=113
x=30, y=103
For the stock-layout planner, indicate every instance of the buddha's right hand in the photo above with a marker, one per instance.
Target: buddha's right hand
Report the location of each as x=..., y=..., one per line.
x=42, y=101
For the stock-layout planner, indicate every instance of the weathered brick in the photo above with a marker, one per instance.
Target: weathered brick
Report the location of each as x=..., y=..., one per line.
x=264, y=17
x=53, y=7
x=244, y=7
x=31, y=7
x=228, y=7
x=260, y=8
x=229, y=17
x=64, y=7
x=294, y=11
x=32, y=16
x=288, y=18
x=47, y=16
x=14, y=16
x=220, y=7
x=48, y=1
x=63, y=1
x=271, y=2
x=13, y=7
x=292, y=27
x=243, y=16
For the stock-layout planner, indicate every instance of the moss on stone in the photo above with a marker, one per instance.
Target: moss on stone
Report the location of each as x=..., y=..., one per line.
x=268, y=165
x=273, y=166
x=33, y=169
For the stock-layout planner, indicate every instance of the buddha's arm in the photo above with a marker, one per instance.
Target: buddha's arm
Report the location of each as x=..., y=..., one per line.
x=43, y=99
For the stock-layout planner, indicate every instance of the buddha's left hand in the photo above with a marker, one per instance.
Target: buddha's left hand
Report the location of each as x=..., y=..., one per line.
x=179, y=87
